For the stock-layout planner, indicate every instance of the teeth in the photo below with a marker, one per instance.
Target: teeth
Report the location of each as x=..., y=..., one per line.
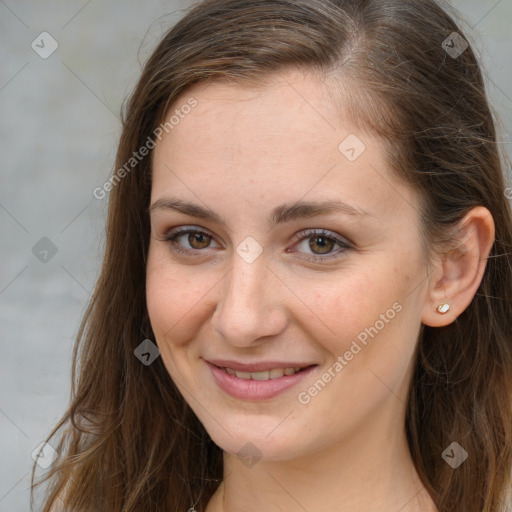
x=275, y=373
x=260, y=375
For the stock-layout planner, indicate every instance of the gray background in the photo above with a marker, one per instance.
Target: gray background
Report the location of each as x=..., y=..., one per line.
x=59, y=127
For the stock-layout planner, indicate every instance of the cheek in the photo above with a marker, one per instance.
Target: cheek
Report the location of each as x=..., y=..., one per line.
x=370, y=355
x=177, y=302
x=353, y=300
x=163, y=308
x=371, y=316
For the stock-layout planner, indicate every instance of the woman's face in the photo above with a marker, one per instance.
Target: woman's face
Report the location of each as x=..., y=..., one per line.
x=281, y=240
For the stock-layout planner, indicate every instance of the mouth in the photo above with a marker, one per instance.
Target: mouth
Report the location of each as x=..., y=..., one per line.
x=258, y=381
x=273, y=373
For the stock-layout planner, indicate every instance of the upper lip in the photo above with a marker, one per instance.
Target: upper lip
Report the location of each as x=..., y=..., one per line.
x=260, y=366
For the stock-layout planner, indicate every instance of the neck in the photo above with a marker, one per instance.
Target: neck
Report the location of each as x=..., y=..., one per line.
x=370, y=470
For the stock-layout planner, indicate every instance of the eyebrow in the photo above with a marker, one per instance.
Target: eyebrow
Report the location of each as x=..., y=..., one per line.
x=280, y=214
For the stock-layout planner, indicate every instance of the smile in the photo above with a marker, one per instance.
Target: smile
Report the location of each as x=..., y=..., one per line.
x=257, y=385
x=274, y=373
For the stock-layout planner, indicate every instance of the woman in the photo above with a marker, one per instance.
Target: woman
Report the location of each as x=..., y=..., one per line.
x=305, y=297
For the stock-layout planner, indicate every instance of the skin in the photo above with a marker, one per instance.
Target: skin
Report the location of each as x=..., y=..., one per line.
x=241, y=153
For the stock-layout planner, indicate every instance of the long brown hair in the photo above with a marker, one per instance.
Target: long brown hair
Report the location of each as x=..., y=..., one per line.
x=129, y=442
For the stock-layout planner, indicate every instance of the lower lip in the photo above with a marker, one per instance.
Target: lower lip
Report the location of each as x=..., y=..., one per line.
x=249, y=389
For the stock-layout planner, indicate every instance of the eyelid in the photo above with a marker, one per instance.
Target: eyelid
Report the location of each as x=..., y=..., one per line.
x=344, y=244
x=180, y=230
x=310, y=232
x=176, y=232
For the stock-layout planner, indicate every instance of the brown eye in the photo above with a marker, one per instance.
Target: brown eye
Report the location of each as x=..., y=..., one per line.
x=321, y=244
x=191, y=241
x=199, y=240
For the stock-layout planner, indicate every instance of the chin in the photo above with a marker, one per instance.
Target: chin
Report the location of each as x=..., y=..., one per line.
x=250, y=441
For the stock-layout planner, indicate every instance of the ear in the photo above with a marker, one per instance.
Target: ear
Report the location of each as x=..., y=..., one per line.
x=457, y=274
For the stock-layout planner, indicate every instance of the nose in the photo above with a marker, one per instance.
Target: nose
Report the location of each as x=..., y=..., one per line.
x=251, y=304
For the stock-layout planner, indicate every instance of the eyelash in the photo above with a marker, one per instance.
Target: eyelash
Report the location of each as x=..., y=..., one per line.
x=305, y=235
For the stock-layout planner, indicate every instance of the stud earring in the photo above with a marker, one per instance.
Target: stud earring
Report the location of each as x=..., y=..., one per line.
x=443, y=308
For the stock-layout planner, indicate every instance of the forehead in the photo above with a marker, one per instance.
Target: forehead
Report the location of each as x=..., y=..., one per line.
x=285, y=139
x=257, y=118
